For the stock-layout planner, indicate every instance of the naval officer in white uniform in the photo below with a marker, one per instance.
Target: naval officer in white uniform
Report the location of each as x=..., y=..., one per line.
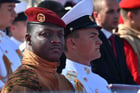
x=9, y=52
x=82, y=45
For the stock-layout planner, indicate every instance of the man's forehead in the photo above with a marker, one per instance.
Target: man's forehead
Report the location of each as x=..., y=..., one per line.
x=53, y=28
x=90, y=30
x=9, y=4
x=48, y=27
x=111, y=3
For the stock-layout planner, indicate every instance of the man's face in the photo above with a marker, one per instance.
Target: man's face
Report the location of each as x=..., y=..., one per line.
x=47, y=41
x=7, y=14
x=135, y=20
x=19, y=30
x=88, y=44
x=108, y=17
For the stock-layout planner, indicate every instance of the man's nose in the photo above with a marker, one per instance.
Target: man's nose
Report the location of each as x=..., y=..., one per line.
x=55, y=39
x=14, y=14
x=99, y=41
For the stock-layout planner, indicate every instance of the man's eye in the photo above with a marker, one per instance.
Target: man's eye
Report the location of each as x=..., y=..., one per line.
x=44, y=34
x=92, y=36
x=61, y=34
x=110, y=11
x=10, y=10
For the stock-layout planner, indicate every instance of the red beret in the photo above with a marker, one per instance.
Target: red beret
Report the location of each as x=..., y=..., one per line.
x=128, y=4
x=42, y=15
x=121, y=20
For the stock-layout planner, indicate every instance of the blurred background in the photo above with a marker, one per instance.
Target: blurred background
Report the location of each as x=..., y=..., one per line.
x=34, y=3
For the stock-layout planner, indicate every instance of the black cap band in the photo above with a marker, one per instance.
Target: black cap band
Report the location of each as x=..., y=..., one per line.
x=9, y=1
x=21, y=17
x=83, y=22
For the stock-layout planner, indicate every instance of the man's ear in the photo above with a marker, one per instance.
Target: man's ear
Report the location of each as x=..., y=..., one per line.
x=12, y=28
x=95, y=14
x=28, y=38
x=130, y=15
x=71, y=43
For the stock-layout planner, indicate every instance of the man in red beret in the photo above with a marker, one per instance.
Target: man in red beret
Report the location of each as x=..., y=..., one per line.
x=44, y=46
x=9, y=52
x=130, y=32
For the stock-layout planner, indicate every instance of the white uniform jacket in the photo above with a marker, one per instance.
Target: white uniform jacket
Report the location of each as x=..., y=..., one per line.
x=83, y=79
x=9, y=57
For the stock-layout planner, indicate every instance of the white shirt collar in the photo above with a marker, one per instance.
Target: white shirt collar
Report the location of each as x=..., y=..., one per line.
x=2, y=33
x=71, y=65
x=106, y=33
x=22, y=46
x=16, y=41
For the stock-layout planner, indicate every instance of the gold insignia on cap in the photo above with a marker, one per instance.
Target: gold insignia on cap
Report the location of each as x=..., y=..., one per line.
x=41, y=17
x=90, y=17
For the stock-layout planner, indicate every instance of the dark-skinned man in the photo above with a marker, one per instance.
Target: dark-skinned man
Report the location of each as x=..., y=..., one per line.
x=44, y=46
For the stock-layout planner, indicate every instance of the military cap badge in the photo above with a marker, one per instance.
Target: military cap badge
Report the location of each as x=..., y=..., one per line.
x=41, y=17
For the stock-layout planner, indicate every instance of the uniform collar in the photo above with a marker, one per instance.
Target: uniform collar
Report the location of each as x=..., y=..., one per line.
x=77, y=67
x=40, y=64
x=16, y=41
x=124, y=30
x=2, y=34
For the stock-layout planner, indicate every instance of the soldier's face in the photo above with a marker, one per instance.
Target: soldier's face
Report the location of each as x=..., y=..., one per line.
x=7, y=14
x=135, y=20
x=87, y=46
x=47, y=41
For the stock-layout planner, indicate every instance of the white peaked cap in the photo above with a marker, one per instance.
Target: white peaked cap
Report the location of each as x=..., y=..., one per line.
x=84, y=7
x=21, y=7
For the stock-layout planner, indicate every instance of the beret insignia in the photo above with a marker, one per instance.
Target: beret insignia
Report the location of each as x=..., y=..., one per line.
x=41, y=17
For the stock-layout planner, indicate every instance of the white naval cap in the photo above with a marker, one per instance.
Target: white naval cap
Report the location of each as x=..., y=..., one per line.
x=84, y=7
x=21, y=7
x=79, y=17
